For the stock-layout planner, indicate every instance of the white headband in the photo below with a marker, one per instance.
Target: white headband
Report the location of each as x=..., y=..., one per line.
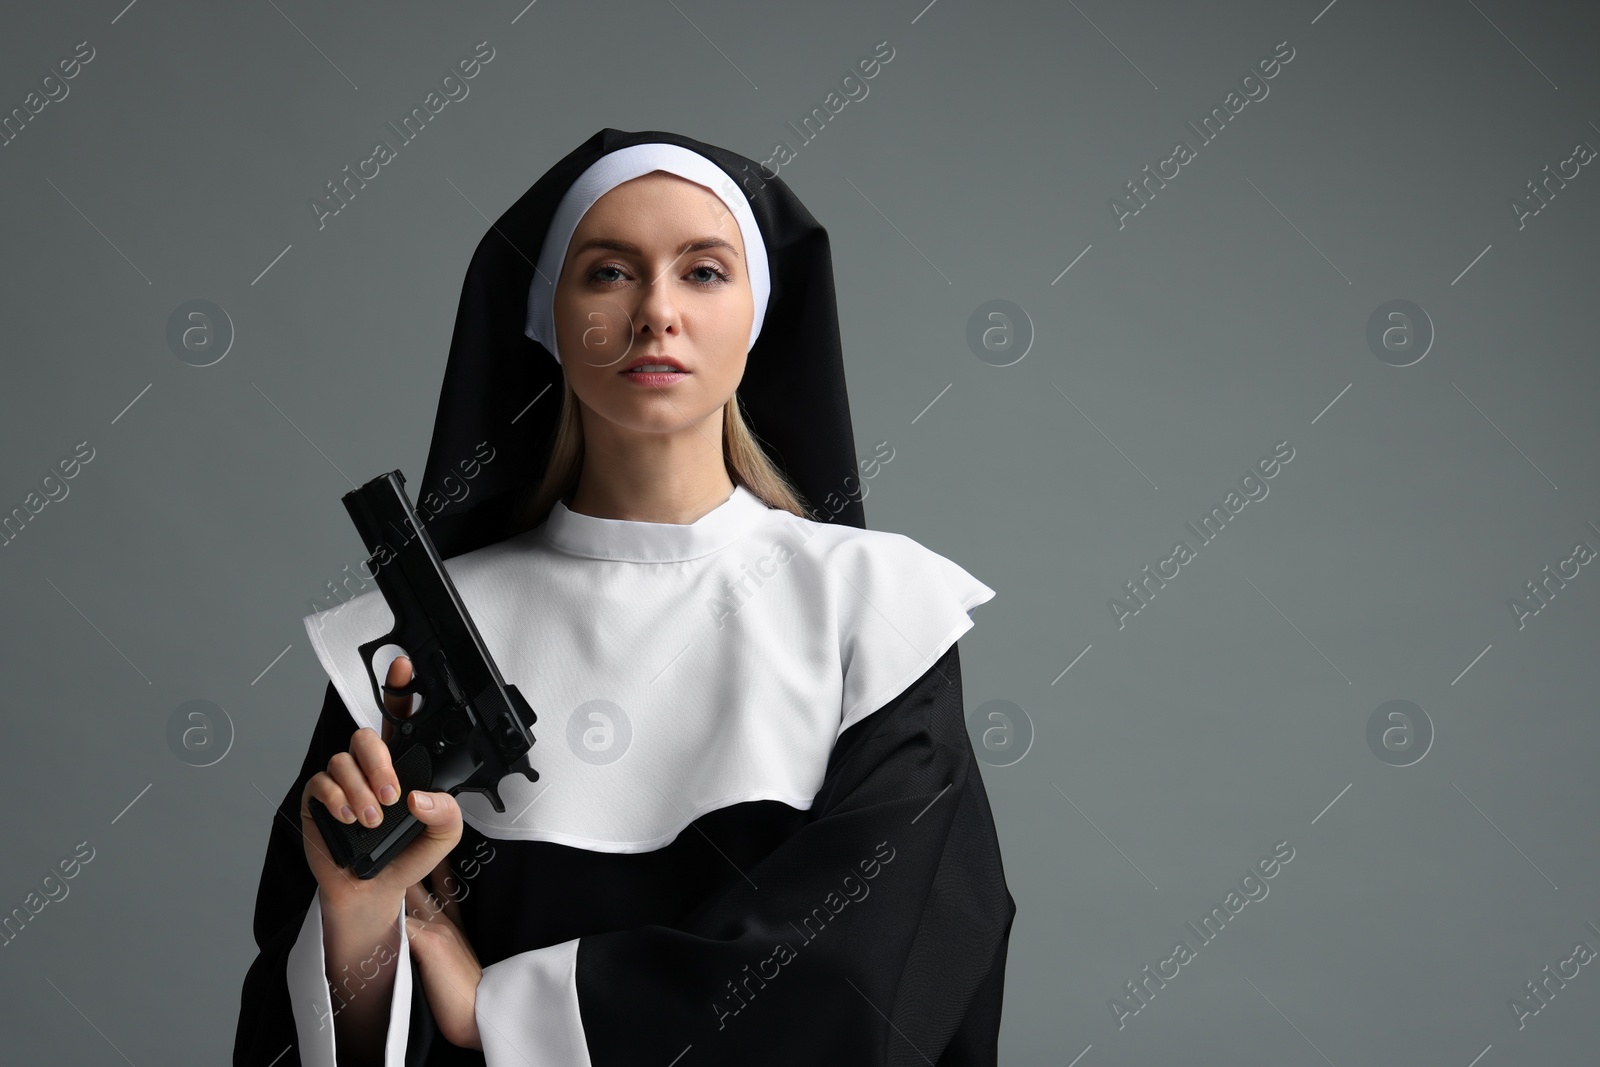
x=605, y=174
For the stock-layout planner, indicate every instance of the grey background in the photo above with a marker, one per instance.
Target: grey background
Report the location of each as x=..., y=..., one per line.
x=1228, y=315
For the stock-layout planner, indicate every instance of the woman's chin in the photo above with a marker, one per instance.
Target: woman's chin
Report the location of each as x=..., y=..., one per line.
x=657, y=411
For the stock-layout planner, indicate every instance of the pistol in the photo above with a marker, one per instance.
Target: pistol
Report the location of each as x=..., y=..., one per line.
x=472, y=729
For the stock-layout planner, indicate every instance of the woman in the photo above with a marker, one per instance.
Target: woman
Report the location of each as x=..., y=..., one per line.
x=758, y=834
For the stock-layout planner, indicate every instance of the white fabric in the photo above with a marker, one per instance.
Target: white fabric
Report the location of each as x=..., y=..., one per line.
x=313, y=1002
x=527, y=1010
x=721, y=658
x=732, y=651
x=605, y=174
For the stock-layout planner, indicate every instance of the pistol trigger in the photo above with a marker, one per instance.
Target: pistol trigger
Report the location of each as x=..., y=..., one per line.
x=404, y=690
x=414, y=704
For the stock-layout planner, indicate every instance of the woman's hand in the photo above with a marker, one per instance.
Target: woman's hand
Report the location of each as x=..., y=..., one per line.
x=450, y=969
x=358, y=782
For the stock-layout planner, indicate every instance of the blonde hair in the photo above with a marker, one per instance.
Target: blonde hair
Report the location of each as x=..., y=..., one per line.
x=746, y=462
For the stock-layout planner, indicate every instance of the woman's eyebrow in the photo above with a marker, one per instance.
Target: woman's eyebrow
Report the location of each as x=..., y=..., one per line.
x=614, y=245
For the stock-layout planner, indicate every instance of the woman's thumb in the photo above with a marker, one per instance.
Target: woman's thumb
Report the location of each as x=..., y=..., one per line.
x=434, y=809
x=440, y=816
x=441, y=821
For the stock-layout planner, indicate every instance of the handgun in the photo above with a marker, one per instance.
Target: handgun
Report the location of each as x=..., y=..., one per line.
x=472, y=729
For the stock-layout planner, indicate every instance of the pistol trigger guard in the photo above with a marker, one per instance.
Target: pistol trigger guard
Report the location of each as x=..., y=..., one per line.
x=380, y=689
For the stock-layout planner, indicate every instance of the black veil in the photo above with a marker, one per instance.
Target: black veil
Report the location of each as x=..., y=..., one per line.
x=503, y=387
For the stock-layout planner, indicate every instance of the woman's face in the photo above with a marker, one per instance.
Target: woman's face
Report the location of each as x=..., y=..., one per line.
x=655, y=272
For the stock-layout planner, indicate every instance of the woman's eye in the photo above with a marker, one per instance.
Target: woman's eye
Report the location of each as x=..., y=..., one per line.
x=717, y=276
x=705, y=274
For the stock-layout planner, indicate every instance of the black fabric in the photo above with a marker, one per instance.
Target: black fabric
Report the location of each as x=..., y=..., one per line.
x=793, y=390
x=664, y=932
x=909, y=972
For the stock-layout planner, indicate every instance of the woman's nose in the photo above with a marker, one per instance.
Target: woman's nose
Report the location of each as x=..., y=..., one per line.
x=657, y=310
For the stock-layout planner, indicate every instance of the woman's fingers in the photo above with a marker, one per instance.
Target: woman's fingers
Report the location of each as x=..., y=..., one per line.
x=338, y=885
x=377, y=768
x=323, y=788
x=352, y=782
x=396, y=704
x=359, y=784
x=399, y=704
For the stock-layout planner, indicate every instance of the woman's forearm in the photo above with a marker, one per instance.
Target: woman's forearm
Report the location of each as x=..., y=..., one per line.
x=362, y=950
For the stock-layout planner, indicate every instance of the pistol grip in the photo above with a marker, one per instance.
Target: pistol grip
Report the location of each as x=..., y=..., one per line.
x=367, y=850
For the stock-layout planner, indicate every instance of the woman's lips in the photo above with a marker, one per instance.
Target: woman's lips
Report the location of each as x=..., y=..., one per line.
x=655, y=378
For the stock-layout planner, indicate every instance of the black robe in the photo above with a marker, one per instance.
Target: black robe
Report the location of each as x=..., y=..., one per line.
x=870, y=929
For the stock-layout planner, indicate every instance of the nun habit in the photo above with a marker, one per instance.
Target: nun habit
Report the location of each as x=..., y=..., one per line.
x=759, y=833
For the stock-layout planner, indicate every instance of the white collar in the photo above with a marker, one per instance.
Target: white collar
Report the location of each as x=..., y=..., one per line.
x=791, y=631
x=629, y=541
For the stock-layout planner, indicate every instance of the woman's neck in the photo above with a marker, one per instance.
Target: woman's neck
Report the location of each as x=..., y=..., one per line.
x=653, y=479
